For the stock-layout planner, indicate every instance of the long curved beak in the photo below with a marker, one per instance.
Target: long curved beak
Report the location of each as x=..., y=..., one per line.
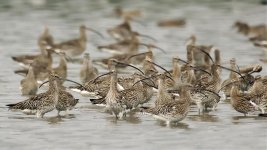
x=161, y=68
x=73, y=82
x=199, y=69
x=43, y=84
x=203, y=51
x=60, y=52
x=105, y=74
x=62, y=79
x=96, y=32
x=230, y=70
x=227, y=85
x=147, y=78
x=137, y=55
x=153, y=46
x=130, y=66
x=68, y=58
x=169, y=77
x=148, y=37
x=182, y=60
x=200, y=90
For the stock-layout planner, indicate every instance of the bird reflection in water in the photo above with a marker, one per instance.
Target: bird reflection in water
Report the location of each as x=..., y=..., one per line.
x=58, y=119
x=242, y=119
x=204, y=118
x=131, y=118
x=50, y=119
x=179, y=125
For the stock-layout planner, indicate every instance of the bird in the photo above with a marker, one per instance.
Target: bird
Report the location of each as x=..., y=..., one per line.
x=172, y=107
x=26, y=60
x=261, y=44
x=232, y=76
x=133, y=96
x=127, y=46
x=128, y=58
x=41, y=103
x=248, y=30
x=176, y=74
x=119, y=102
x=61, y=69
x=177, y=22
x=66, y=101
x=188, y=74
x=196, y=55
x=214, y=84
x=77, y=46
x=97, y=88
x=126, y=14
x=238, y=100
x=208, y=98
x=147, y=90
x=45, y=42
x=162, y=94
x=29, y=85
x=259, y=38
x=148, y=67
x=88, y=71
x=104, y=62
x=46, y=38
x=113, y=98
x=121, y=32
x=258, y=93
x=122, y=47
x=40, y=65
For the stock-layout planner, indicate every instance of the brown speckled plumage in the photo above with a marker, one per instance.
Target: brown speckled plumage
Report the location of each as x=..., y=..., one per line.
x=41, y=103
x=88, y=71
x=61, y=69
x=66, y=101
x=239, y=101
x=29, y=84
x=174, y=109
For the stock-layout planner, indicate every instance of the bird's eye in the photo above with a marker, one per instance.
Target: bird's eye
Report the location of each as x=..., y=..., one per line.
x=56, y=76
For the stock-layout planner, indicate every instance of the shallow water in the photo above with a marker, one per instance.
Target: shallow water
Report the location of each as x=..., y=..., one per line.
x=89, y=127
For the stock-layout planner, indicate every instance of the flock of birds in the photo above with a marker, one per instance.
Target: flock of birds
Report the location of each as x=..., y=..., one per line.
x=194, y=81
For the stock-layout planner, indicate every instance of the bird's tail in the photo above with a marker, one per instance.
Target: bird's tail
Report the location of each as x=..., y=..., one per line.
x=98, y=101
x=24, y=71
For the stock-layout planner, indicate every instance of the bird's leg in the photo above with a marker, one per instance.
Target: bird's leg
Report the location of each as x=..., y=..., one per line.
x=168, y=123
x=67, y=112
x=58, y=113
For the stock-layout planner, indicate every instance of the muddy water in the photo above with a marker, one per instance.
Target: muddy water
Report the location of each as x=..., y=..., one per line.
x=87, y=126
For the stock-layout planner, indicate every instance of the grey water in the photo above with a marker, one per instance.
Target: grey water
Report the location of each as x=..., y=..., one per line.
x=88, y=126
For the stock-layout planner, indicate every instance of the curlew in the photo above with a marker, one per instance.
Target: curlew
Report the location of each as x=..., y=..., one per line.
x=75, y=47
x=41, y=65
x=239, y=101
x=61, y=69
x=41, y=103
x=88, y=71
x=45, y=38
x=29, y=85
x=171, y=108
x=178, y=22
x=126, y=13
x=121, y=32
